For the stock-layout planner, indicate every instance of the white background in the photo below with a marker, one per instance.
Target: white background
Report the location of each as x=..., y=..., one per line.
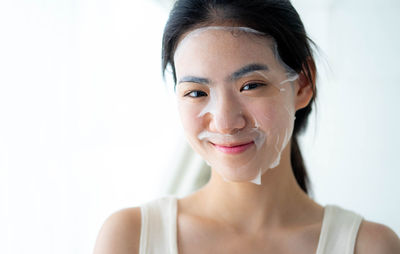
x=87, y=126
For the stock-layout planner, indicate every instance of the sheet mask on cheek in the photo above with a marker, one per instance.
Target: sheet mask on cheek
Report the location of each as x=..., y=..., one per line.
x=269, y=118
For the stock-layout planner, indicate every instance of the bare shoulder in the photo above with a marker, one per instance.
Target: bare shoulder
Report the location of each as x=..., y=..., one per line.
x=120, y=233
x=374, y=238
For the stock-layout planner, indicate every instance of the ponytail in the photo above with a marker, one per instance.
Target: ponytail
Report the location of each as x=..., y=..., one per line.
x=298, y=167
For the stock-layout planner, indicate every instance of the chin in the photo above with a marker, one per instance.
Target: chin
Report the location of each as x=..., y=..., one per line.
x=238, y=175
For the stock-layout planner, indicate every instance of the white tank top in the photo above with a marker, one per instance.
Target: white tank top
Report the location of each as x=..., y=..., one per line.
x=159, y=229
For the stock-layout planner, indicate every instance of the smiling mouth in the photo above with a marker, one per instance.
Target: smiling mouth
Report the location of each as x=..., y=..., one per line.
x=233, y=148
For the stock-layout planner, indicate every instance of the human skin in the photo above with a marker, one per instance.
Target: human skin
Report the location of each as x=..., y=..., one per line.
x=240, y=216
x=240, y=94
x=240, y=208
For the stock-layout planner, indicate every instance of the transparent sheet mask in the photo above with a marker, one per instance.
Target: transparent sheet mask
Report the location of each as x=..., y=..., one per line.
x=264, y=114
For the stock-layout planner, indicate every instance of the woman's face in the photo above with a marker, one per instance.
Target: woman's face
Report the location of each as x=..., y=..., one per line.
x=235, y=100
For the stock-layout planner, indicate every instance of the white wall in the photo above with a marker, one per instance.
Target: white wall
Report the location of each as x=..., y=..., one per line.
x=352, y=148
x=85, y=122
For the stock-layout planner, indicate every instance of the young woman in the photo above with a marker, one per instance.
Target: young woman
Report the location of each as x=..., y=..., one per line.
x=245, y=82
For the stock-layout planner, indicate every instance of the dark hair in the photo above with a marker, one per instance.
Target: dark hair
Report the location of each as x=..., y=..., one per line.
x=276, y=18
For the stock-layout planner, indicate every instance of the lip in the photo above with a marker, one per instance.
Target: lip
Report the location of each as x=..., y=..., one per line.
x=233, y=148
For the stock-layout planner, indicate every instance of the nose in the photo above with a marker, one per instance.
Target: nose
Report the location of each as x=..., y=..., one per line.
x=227, y=117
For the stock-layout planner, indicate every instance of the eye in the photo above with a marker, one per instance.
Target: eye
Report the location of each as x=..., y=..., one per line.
x=251, y=86
x=195, y=94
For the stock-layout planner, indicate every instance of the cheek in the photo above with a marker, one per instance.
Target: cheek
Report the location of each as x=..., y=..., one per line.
x=192, y=124
x=271, y=115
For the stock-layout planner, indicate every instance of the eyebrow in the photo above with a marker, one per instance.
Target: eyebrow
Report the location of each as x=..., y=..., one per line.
x=247, y=69
x=234, y=76
x=194, y=79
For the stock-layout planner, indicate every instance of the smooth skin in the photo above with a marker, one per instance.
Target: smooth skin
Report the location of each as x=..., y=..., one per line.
x=240, y=217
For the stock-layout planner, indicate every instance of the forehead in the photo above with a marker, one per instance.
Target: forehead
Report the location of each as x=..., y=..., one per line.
x=223, y=48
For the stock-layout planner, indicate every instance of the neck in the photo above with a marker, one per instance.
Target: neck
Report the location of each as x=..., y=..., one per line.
x=247, y=206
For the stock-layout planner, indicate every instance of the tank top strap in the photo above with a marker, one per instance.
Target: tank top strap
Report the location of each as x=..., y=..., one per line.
x=339, y=231
x=158, y=229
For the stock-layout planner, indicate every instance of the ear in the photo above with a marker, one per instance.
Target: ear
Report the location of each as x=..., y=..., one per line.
x=305, y=88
